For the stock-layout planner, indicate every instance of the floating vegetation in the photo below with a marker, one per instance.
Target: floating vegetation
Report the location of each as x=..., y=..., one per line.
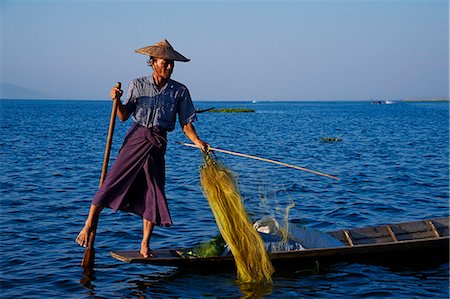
x=203, y=110
x=220, y=188
x=213, y=247
x=232, y=110
x=331, y=139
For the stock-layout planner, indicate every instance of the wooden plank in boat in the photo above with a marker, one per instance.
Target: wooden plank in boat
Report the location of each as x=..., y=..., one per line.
x=361, y=236
x=370, y=235
x=133, y=256
x=442, y=225
x=339, y=235
x=421, y=229
x=414, y=230
x=171, y=257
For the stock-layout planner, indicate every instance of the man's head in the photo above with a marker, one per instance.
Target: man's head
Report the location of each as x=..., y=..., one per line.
x=161, y=66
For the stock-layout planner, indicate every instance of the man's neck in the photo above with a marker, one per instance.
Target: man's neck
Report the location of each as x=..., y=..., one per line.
x=159, y=81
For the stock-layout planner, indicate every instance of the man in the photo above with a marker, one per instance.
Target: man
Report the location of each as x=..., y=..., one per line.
x=136, y=180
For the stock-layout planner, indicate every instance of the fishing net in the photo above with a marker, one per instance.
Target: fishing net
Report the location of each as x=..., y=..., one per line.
x=219, y=186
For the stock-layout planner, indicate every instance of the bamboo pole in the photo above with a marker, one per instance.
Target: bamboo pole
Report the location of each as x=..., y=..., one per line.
x=264, y=159
x=89, y=254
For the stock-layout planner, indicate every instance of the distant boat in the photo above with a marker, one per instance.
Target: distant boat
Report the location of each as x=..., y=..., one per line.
x=378, y=102
x=382, y=102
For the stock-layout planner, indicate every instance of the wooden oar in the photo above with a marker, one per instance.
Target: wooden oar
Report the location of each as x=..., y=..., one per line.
x=89, y=254
x=265, y=160
x=112, y=123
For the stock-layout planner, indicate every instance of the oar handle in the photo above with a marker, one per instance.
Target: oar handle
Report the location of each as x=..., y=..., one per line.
x=112, y=123
x=265, y=160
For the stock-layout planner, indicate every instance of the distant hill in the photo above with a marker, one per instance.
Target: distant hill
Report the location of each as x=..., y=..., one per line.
x=427, y=100
x=12, y=91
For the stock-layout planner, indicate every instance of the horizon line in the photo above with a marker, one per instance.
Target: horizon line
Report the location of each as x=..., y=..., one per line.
x=435, y=99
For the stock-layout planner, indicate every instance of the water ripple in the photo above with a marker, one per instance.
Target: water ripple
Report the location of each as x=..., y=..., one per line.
x=393, y=165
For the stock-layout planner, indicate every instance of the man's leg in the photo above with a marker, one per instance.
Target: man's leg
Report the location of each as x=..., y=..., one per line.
x=89, y=226
x=146, y=234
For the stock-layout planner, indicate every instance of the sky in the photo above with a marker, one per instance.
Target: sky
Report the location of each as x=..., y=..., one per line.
x=239, y=50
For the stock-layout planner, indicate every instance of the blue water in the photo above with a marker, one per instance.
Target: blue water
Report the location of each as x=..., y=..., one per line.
x=393, y=163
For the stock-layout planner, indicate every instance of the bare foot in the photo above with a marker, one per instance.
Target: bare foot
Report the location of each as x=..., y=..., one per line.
x=83, y=236
x=145, y=251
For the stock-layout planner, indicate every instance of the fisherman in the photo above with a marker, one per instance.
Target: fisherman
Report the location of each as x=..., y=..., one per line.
x=136, y=180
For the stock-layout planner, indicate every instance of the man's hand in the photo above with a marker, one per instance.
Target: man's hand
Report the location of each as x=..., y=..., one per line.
x=116, y=92
x=203, y=146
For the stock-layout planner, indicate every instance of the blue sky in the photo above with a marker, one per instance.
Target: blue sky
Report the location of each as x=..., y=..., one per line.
x=239, y=50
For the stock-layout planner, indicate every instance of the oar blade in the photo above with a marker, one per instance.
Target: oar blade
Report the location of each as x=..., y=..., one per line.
x=89, y=254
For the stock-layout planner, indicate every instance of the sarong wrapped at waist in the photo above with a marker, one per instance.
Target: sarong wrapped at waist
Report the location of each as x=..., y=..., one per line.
x=135, y=182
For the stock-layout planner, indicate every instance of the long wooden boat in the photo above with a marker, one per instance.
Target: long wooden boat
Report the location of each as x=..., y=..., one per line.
x=412, y=241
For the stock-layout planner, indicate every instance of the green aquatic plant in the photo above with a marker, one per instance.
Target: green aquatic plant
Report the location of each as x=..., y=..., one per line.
x=213, y=247
x=232, y=110
x=330, y=139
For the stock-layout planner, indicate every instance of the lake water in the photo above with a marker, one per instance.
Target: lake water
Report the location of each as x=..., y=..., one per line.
x=393, y=162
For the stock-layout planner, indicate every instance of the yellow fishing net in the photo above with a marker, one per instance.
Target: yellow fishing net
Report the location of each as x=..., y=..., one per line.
x=220, y=188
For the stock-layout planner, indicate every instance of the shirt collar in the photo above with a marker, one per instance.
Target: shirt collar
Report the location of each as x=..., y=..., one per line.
x=151, y=80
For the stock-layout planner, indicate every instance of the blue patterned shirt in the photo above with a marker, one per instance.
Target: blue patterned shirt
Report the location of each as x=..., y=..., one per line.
x=151, y=107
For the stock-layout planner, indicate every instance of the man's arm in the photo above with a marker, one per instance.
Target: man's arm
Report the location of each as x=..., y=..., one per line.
x=122, y=113
x=189, y=130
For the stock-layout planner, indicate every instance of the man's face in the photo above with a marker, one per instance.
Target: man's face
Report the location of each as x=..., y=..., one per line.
x=163, y=67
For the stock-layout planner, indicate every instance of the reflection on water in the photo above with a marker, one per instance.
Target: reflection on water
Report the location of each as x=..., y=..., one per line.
x=250, y=290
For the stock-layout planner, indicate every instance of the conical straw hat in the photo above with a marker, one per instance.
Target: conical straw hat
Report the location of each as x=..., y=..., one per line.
x=162, y=49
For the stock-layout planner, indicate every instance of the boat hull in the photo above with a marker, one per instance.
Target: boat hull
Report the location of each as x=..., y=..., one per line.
x=379, y=244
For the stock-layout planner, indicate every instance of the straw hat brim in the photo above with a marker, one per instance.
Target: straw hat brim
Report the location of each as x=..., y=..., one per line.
x=162, y=52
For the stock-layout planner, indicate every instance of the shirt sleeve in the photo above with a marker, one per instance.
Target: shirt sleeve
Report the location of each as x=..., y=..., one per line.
x=130, y=100
x=185, y=110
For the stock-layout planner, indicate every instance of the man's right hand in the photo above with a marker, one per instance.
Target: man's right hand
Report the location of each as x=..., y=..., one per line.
x=116, y=92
